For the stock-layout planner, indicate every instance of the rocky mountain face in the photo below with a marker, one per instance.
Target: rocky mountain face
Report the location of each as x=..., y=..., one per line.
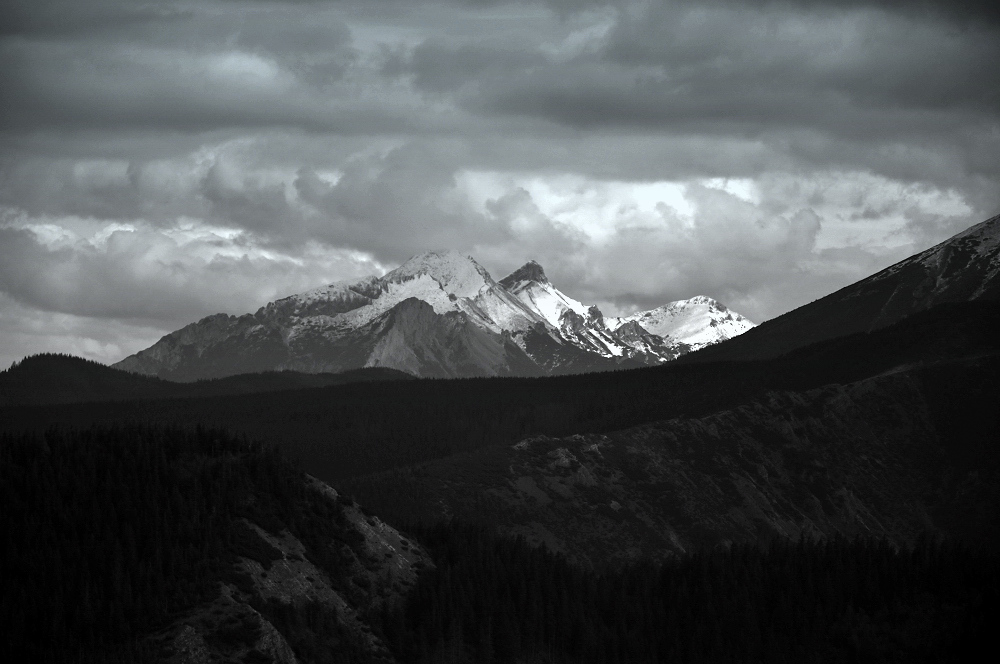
x=883, y=456
x=437, y=315
x=963, y=268
x=585, y=327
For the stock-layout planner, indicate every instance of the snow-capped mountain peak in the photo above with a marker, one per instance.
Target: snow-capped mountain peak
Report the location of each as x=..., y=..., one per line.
x=697, y=322
x=662, y=335
x=437, y=314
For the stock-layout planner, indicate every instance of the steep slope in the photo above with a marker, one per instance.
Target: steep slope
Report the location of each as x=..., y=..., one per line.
x=204, y=549
x=470, y=325
x=530, y=285
x=416, y=339
x=965, y=267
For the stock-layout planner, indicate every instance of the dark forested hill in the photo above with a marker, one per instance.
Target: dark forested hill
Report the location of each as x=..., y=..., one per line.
x=51, y=378
x=131, y=544
x=493, y=599
x=163, y=544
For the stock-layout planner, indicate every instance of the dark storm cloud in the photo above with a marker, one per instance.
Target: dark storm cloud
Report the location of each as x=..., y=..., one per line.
x=440, y=66
x=854, y=86
x=91, y=17
x=164, y=160
x=188, y=71
x=961, y=10
x=876, y=60
x=983, y=10
x=397, y=205
x=259, y=207
x=54, y=187
x=52, y=89
x=674, y=69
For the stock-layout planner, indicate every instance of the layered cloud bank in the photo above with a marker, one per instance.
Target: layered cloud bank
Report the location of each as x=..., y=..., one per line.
x=165, y=160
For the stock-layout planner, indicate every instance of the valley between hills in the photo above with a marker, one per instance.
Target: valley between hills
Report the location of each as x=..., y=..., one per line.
x=332, y=480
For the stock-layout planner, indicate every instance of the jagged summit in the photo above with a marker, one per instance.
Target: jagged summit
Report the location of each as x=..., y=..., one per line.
x=530, y=271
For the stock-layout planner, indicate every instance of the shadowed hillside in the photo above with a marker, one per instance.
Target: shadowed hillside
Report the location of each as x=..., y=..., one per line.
x=963, y=268
x=893, y=456
x=356, y=429
x=152, y=544
x=141, y=544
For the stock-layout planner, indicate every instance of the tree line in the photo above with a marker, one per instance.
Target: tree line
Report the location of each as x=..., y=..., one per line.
x=497, y=600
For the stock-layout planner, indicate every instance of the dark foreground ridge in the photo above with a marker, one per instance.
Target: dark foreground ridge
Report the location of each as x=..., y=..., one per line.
x=150, y=544
x=143, y=543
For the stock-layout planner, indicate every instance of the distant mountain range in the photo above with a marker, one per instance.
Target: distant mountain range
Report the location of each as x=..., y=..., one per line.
x=439, y=314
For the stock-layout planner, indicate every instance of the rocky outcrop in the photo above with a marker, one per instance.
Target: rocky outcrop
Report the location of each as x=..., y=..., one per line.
x=238, y=625
x=530, y=271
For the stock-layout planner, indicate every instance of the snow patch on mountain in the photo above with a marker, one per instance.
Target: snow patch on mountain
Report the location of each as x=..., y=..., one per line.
x=983, y=239
x=348, y=292
x=456, y=274
x=421, y=286
x=550, y=302
x=448, y=281
x=575, y=321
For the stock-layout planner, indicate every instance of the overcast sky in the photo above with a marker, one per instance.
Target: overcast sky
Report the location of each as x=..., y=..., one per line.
x=162, y=161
